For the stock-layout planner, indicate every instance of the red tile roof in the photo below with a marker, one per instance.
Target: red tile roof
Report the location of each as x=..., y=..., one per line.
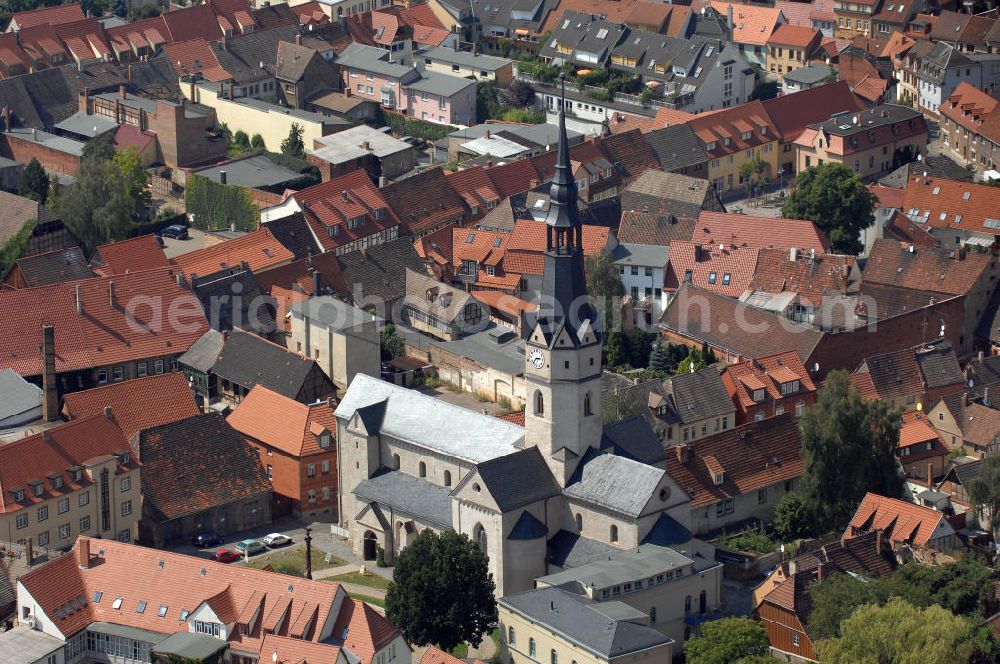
x=614, y=12
x=714, y=228
x=508, y=304
x=963, y=205
x=48, y=16
x=367, y=630
x=722, y=132
x=889, y=197
x=902, y=229
x=196, y=57
x=101, y=334
x=794, y=35
x=284, y=298
x=129, y=136
x=751, y=457
x=181, y=584
x=753, y=23
x=866, y=388
x=283, y=423
x=48, y=455
x=260, y=250
x=902, y=522
x=727, y=270
x=790, y=114
x=324, y=207
x=811, y=277
x=139, y=253
x=136, y=404
x=529, y=235
x=768, y=373
x=916, y=430
x=973, y=110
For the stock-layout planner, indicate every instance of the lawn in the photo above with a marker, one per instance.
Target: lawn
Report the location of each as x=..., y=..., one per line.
x=293, y=560
x=374, y=601
x=371, y=580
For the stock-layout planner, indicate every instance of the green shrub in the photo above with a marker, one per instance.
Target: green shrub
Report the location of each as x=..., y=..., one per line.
x=379, y=555
x=12, y=248
x=217, y=206
x=754, y=540
x=404, y=126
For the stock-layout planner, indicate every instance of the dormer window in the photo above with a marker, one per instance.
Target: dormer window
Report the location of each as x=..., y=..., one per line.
x=758, y=395
x=791, y=387
x=57, y=481
x=125, y=458
x=720, y=478
x=746, y=135
x=37, y=488
x=18, y=494
x=324, y=439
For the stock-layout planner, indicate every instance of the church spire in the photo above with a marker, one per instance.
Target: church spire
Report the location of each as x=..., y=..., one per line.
x=564, y=285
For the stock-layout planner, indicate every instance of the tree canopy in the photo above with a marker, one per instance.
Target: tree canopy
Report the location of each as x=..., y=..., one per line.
x=392, y=344
x=442, y=591
x=837, y=200
x=902, y=633
x=727, y=641
x=985, y=491
x=848, y=446
x=34, y=182
x=791, y=517
x=293, y=146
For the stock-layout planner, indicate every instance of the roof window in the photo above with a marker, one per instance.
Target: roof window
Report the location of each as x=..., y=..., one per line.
x=140, y=608
x=97, y=596
x=118, y=603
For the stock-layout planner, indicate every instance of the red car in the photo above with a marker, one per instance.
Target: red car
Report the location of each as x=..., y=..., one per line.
x=225, y=556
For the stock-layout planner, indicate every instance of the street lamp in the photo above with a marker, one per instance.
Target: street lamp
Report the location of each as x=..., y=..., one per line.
x=781, y=178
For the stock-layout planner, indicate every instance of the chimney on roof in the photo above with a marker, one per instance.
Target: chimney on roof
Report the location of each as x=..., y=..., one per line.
x=878, y=542
x=794, y=254
x=108, y=413
x=347, y=92
x=820, y=571
x=50, y=390
x=317, y=284
x=121, y=91
x=487, y=134
x=298, y=40
x=225, y=335
x=930, y=475
x=682, y=453
x=343, y=195
x=83, y=552
x=79, y=301
x=129, y=74
x=729, y=17
x=223, y=176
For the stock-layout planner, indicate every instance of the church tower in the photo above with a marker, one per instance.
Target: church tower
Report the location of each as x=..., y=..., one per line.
x=563, y=353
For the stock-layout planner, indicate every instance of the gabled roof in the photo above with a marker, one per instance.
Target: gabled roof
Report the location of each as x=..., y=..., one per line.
x=634, y=439
x=248, y=360
x=811, y=278
x=790, y=114
x=722, y=269
x=913, y=370
x=973, y=110
x=54, y=267
x=769, y=372
x=794, y=35
x=676, y=147
x=726, y=325
x=614, y=483
x=653, y=229
x=753, y=24
x=47, y=16
x=139, y=253
x=100, y=334
x=379, y=271
x=698, y=396
x=367, y=630
x=980, y=424
x=751, y=456
x=47, y=457
x=517, y=479
x=196, y=464
x=903, y=522
x=329, y=205
x=745, y=230
x=424, y=201
x=136, y=404
x=956, y=205
x=260, y=250
x=926, y=269
x=283, y=423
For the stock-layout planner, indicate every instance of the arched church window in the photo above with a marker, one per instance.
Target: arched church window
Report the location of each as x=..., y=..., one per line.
x=539, y=403
x=479, y=537
x=423, y=469
x=614, y=533
x=586, y=404
x=579, y=523
x=447, y=478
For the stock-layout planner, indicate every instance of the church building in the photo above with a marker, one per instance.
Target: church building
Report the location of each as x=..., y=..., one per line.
x=552, y=495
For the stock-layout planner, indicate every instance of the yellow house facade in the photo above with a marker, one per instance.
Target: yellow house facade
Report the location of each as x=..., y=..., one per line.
x=733, y=137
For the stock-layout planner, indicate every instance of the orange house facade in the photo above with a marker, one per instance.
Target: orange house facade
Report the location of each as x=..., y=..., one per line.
x=297, y=448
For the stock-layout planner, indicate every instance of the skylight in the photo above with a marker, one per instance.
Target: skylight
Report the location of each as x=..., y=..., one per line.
x=937, y=190
x=602, y=33
x=966, y=195
x=469, y=238
x=118, y=603
x=97, y=596
x=184, y=614
x=140, y=607
x=496, y=242
x=163, y=611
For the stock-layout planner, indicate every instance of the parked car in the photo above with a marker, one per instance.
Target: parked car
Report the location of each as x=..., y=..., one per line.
x=225, y=556
x=274, y=540
x=176, y=231
x=250, y=547
x=206, y=539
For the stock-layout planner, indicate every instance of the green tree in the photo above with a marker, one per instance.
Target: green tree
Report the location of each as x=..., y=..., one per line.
x=848, y=447
x=617, y=348
x=985, y=491
x=727, y=641
x=750, y=171
x=834, y=599
x=899, y=632
x=708, y=354
x=604, y=284
x=393, y=345
x=293, y=146
x=241, y=141
x=964, y=587
x=618, y=403
x=102, y=204
x=659, y=359
x=791, y=518
x=135, y=177
x=442, y=591
x=837, y=200
x=100, y=147
x=34, y=182
x=257, y=142
x=694, y=361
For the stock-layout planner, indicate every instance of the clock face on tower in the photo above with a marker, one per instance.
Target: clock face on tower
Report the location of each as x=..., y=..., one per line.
x=537, y=358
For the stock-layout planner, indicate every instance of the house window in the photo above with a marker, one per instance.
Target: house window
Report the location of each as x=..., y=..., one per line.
x=119, y=374
x=140, y=369
x=761, y=496
x=43, y=513
x=43, y=538
x=126, y=508
x=423, y=469
x=539, y=403
x=614, y=533
x=324, y=466
x=63, y=505
x=64, y=531
x=447, y=478
x=531, y=647
x=311, y=470
x=126, y=484
x=312, y=495
x=795, y=639
x=84, y=499
x=586, y=404
x=800, y=408
x=510, y=636
x=490, y=271
x=553, y=657
x=21, y=521
x=158, y=366
x=84, y=524
x=102, y=376
x=711, y=277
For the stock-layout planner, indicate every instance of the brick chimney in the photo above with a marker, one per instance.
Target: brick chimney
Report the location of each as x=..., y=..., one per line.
x=682, y=453
x=84, y=100
x=298, y=40
x=930, y=475
x=50, y=390
x=83, y=552
x=121, y=91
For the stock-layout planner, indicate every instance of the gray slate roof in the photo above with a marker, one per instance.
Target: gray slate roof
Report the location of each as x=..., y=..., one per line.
x=380, y=271
x=17, y=395
x=518, y=479
x=248, y=360
x=528, y=528
x=464, y=58
x=567, y=549
x=332, y=312
x=204, y=352
x=625, y=566
x=431, y=423
x=813, y=72
x=583, y=624
x=409, y=494
x=614, y=482
x=483, y=348
x=700, y=395
x=445, y=85
x=635, y=439
x=676, y=147
x=256, y=171
x=939, y=365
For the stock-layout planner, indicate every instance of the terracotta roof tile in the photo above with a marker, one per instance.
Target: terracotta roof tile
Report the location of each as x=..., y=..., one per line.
x=863, y=381
x=714, y=228
x=902, y=229
x=283, y=423
x=903, y=522
x=367, y=630
x=753, y=23
x=48, y=455
x=888, y=197
x=655, y=229
x=925, y=269
x=140, y=253
x=100, y=335
x=749, y=452
x=769, y=372
x=259, y=249
x=324, y=207
x=812, y=278
x=424, y=201
x=529, y=235
x=973, y=110
x=136, y=404
x=48, y=16
x=794, y=35
x=956, y=205
x=727, y=271
x=614, y=13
